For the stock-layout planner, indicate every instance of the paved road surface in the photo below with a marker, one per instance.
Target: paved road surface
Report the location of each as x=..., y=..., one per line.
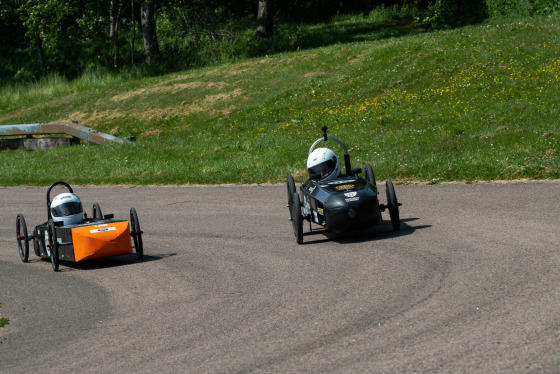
x=471, y=284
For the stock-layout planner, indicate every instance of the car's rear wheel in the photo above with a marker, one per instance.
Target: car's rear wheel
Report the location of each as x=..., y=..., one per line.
x=53, y=245
x=37, y=242
x=96, y=211
x=43, y=244
x=22, y=238
x=297, y=219
x=369, y=175
x=136, y=233
x=393, y=205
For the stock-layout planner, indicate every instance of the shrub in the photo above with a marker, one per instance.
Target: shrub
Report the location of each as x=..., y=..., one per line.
x=447, y=13
x=521, y=8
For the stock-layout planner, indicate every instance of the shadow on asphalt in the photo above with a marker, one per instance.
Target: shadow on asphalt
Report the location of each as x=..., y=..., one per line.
x=109, y=262
x=381, y=231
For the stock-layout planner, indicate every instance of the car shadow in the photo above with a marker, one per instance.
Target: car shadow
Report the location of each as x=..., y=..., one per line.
x=109, y=262
x=382, y=231
x=37, y=259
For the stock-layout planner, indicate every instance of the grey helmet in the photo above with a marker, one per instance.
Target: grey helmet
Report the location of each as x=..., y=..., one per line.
x=67, y=208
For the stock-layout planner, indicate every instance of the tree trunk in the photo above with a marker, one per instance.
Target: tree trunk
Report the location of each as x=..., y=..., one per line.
x=112, y=19
x=116, y=56
x=42, y=60
x=116, y=12
x=149, y=33
x=368, y=7
x=264, y=19
x=133, y=33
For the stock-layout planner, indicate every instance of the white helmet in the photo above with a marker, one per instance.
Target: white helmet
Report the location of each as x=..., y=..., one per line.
x=323, y=164
x=67, y=208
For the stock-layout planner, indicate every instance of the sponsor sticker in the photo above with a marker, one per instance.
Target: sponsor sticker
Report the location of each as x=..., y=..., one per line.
x=350, y=194
x=352, y=199
x=320, y=211
x=342, y=181
x=112, y=228
x=344, y=186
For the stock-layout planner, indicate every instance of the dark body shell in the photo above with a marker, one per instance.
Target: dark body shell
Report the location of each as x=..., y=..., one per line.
x=345, y=204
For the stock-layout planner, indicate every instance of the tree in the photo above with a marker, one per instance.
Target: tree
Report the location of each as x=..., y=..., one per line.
x=368, y=7
x=116, y=11
x=149, y=32
x=133, y=32
x=46, y=20
x=38, y=43
x=264, y=19
x=449, y=13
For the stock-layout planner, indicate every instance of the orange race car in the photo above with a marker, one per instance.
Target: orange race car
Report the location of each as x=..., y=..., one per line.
x=69, y=235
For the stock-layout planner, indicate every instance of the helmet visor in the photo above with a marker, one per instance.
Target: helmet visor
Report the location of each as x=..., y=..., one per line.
x=67, y=209
x=322, y=170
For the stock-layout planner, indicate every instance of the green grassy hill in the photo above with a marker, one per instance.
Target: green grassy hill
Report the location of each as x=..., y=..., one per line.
x=476, y=103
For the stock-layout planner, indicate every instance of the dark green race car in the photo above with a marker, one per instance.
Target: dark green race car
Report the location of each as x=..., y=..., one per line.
x=348, y=202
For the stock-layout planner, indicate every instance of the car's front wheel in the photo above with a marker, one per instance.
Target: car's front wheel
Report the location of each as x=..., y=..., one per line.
x=53, y=245
x=96, y=211
x=297, y=219
x=369, y=175
x=22, y=238
x=136, y=233
x=393, y=205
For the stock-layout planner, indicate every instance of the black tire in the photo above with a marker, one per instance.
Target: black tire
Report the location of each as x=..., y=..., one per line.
x=369, y=175
x=297, y=219
x=393, y=205
x=136, y=233
x=96, y=211
x=36, y=242
x=53, y=245
x=43, y=242
x=291, y=190
x=22, y=238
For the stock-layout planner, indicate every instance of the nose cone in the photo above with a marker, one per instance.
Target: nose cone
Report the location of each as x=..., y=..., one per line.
x=345, y=213
x=102, y=240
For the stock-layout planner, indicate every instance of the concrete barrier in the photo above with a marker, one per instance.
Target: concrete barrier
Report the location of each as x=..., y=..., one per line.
x=72, y=129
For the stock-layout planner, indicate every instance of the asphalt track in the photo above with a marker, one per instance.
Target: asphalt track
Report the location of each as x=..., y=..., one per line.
x=470, y=285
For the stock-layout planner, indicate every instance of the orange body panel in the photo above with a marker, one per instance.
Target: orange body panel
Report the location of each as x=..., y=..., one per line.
x=103, y=240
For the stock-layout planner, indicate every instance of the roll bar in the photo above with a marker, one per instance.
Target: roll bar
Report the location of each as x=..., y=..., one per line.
x=49, y=195
x=325, y=138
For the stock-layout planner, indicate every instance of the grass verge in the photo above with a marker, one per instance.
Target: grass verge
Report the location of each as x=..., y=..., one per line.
x=470, y=104
x=3, y=321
